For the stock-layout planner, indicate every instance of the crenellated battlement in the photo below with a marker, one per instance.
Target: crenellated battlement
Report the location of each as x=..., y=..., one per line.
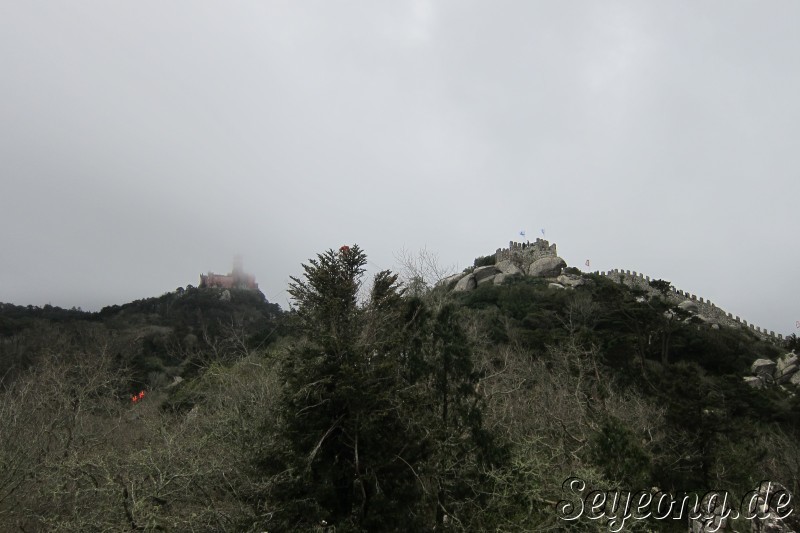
x=524, y=253
x=705, y=307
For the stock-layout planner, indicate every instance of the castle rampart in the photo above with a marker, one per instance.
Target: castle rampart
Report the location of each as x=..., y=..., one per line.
x=706, y=308
x=523, y=254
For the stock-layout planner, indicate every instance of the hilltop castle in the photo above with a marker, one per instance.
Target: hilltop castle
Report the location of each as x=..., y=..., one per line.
x=237, y=279
x=524, y=254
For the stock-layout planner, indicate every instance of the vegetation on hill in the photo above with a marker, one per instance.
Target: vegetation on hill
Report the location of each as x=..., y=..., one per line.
x=376, y=409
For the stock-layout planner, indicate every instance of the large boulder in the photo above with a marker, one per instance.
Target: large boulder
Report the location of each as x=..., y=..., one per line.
x=764, y=367
x=756, y=383
x=484, y=272
x=555, y=286
x=785, y=377
x=450, y=279
x=508, y=268
x=487, y=279
x=467, y=283
x=546, y=267
x=570, y=280
x=788, y=365
x=690, y=306
x=787, y=361
x=500, y=279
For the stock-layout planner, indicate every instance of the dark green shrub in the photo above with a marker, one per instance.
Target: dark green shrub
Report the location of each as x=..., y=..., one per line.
x=486, y=260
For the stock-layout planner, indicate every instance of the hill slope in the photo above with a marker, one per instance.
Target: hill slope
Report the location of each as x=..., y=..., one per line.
x=471, y=408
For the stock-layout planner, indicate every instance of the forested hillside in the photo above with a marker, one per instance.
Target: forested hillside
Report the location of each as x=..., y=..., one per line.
x=374, y=405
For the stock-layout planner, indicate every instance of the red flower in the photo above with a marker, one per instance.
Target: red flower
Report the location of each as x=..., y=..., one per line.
x=344, y=249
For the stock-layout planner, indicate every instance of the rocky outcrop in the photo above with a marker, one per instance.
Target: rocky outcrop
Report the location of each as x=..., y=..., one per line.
x=451, y=279
x=786, y=369
x=788, y=361
x=753, y=381
x=486, y=279
x=768, y=372
x=763, y=367
x=538, y=259
x=570, y=280
x=508, y=268
x=547, y=267
x=467, y=283
x=484, y=272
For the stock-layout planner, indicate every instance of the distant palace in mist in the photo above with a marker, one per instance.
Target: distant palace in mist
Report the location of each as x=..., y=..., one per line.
x=238, y=279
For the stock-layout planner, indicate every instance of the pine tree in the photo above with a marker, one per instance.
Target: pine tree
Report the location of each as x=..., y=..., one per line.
x=461, y=447
x=381, y=427
x=349, y=450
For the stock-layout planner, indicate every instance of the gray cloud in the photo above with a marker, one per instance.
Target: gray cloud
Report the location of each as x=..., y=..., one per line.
x=142, y=143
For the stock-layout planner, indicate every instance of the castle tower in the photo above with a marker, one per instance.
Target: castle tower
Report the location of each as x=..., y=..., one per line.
x=237, y=279
x=237, y=274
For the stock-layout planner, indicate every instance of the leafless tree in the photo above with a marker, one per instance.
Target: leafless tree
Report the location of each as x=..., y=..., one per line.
x=78, y=455
x=422, y=271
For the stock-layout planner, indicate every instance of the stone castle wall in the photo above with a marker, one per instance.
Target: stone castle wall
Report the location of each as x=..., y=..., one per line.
x=523, y=254
x=705, y=307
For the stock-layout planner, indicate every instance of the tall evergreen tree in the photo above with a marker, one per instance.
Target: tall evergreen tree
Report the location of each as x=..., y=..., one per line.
x=349, y=451
x=381, y=426
x=462, y=448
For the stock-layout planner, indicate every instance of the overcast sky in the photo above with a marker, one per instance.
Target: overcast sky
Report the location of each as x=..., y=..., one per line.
x=145, y=142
